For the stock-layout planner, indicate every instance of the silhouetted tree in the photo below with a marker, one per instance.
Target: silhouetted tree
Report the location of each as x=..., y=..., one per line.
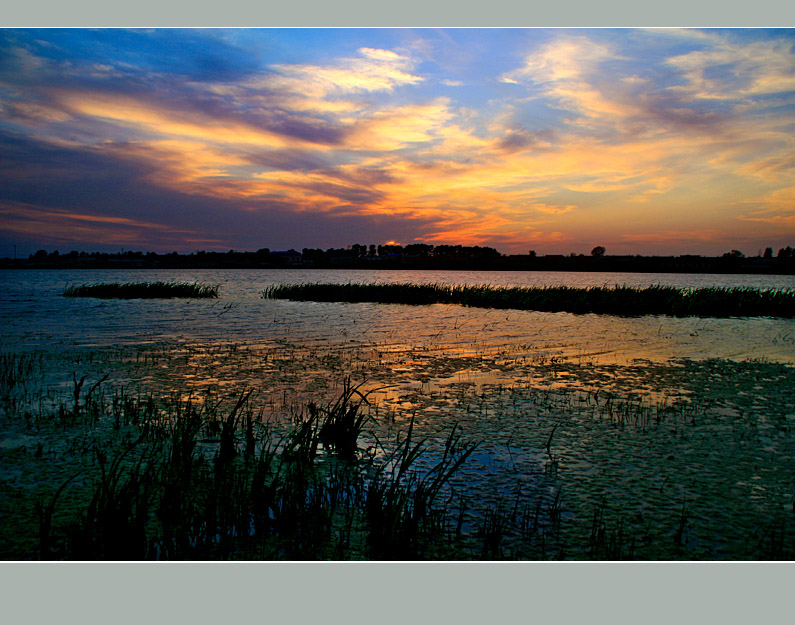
x=314, y=255
x=418, y=249
x=768, y=252
x=598, y=251
x=389, y=250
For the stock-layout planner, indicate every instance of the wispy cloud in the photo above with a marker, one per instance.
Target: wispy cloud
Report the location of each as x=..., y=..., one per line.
x=731, y=70
x=57, y=226
x=566, y=137
x=372, y=70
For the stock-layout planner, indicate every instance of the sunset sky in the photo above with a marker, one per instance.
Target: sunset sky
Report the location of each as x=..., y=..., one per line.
x=657, y=141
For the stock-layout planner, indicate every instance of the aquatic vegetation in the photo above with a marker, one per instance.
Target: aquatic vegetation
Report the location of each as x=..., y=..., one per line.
x=239, y=435
x=622, y=301
x=171, y=483
x=142, y=290
x=401, y=502
x=647, y=461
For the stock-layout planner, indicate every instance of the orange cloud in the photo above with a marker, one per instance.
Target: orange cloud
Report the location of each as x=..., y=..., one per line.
x=628, y=149
x=778, y=208
x=160, y=122
x=671, y=236
x=398, y=127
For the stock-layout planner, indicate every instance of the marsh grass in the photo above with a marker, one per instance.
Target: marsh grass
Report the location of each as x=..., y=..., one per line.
x=143, y=290
x=606, y=542
x=186, y=481
x=621, y=301
x=168, y=472
x=16, y=369
x=401, y=505
x=343, y=421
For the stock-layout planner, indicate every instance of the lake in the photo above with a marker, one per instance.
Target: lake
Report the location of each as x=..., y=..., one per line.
x=599, y=437
x=34, y=316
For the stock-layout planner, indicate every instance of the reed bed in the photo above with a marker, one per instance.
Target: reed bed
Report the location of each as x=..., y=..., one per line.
x=96, y=470
x=143, y=290
x=178, y=479
x=620, y=301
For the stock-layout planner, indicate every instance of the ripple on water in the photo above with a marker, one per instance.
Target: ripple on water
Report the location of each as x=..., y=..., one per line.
x=643, y=421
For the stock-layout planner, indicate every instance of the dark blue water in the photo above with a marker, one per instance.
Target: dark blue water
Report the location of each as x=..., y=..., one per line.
x=34, y=316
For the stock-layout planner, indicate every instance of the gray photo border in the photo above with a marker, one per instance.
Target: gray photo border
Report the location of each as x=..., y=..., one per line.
x=657, y=592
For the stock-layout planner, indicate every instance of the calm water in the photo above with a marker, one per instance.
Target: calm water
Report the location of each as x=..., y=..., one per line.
x=33, y=316
x=660, y=423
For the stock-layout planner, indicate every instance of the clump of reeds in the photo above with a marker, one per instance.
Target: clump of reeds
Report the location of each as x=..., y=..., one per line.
x=343, y=422
x=164, y=496
x=142, y=290
x=621, y=301
x=401, y=502
x=15, y=369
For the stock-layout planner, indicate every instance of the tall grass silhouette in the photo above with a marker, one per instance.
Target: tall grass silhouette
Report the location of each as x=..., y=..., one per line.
x=621, y=301
x=142, y=290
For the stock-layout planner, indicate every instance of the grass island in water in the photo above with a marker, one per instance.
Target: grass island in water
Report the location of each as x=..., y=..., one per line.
x=622, y=301
x=142, y=290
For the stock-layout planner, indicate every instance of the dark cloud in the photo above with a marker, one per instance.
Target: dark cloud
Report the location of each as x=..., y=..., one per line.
x=288, y=159
x=261, y=111
x=375, y=175
x=34, y=171
x=681, y=114
x=361, y=176
x=312, y=130
x=204, y=82
x=519, y=139
x=357, y=196
x=59, y=180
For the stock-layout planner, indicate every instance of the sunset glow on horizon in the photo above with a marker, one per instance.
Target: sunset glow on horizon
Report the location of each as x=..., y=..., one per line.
x=660, y=141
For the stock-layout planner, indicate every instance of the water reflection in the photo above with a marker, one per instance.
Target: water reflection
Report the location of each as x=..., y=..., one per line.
x=33, y=316
x=654, y=423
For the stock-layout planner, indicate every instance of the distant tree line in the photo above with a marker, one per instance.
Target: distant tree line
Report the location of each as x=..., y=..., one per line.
x=413, y=251
x=416, y=256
